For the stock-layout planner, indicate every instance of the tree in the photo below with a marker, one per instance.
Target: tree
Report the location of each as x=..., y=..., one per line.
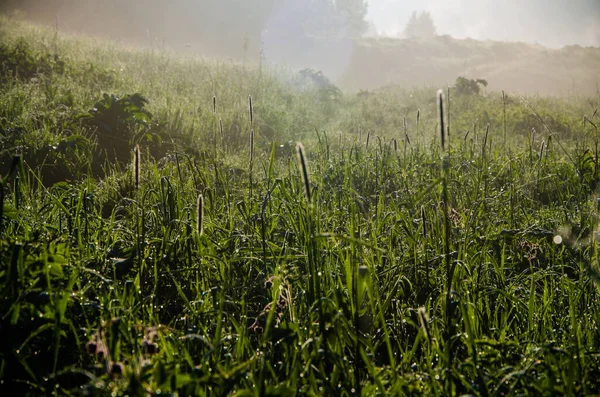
x=371, y=30
x=354, y=12
x=420, y=25
x=308, y=33
x=466, y=86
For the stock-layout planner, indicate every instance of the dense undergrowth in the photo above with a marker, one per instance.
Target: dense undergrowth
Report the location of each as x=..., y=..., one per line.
x=216, y=264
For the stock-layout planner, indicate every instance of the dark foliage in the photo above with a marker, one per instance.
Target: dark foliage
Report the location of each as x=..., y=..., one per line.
x=20, y=61
x=466, y=86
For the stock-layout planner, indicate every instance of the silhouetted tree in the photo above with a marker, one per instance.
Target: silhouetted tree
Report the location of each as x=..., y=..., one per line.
x=354, y=13
x=466, y=86
x=371, y=30
x=307, y=33
x=420, y=25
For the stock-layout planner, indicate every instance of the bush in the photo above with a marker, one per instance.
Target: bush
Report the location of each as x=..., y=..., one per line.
x=19, y=60
x=117, y=123
x=466, y=86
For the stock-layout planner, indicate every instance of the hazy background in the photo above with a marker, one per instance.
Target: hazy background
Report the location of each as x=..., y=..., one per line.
x=356, y=43
x=553, y=23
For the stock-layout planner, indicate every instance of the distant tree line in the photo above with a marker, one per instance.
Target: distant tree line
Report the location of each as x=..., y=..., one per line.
x=221, y=27
x=420, y=25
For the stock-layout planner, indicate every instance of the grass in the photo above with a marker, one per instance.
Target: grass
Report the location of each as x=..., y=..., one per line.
x=341, y=268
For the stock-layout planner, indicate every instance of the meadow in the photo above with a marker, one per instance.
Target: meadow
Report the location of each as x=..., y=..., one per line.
x=164, y=232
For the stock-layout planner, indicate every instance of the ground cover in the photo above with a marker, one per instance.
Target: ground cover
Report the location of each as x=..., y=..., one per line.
x=162, y=232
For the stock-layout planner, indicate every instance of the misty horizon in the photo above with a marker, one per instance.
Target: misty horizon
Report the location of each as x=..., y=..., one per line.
x=351, y=47
x=562, y=23
x=552, y=24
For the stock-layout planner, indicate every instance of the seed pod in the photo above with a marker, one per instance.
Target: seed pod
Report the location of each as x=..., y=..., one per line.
x=304, y=171
x=251, y=110
x=137, y=163
x=440, y=103
x=200, y=215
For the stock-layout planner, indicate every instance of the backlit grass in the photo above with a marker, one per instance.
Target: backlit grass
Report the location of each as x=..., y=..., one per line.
x=212, y=263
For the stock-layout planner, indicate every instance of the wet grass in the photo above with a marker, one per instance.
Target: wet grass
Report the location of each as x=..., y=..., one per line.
x=214, y=263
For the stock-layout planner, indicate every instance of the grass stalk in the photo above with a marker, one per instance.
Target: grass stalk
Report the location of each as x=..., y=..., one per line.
x=504, y=116
x=1, y=203
x=449, y=309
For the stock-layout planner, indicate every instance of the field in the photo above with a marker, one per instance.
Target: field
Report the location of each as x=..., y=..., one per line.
x=163, y=232
x=508, y=66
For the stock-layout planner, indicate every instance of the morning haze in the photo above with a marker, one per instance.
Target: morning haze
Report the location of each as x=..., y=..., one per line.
x=517, y=46
x=299, y=198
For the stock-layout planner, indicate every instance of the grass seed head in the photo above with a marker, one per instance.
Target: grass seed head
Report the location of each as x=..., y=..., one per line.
x=304, y=170
x=116, y=369
x=96, y=346
x=251, y=110
x=440, y=106
x=200, y=215
x=363, y=271
x=424, y=221
x=149, y=345
x=137, y=164
x=424, y=321
x=1, y=201
x=16, y=164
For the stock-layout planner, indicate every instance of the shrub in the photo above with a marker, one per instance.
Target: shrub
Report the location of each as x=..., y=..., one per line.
x=118, y=122
x=19, y=60
x=466, y=86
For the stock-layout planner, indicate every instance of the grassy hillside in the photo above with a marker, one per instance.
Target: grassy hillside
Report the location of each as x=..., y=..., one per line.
x=524, y=68
x=163, y=233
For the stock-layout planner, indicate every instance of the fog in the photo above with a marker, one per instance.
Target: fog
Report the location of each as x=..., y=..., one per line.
x=552, y=23
x=328, y=36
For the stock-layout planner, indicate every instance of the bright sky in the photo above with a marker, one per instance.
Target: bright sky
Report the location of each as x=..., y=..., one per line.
x=553, y=23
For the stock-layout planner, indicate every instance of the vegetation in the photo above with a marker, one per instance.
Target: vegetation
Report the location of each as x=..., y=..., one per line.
x=379, y=257
x=201, y=23
x=465, y=86
x=420, y=25
x=522, y=67
x=354, y=12
x=327, y=35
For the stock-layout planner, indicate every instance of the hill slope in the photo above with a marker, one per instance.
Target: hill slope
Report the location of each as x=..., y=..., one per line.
x=515, y=67
x=214, y=259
